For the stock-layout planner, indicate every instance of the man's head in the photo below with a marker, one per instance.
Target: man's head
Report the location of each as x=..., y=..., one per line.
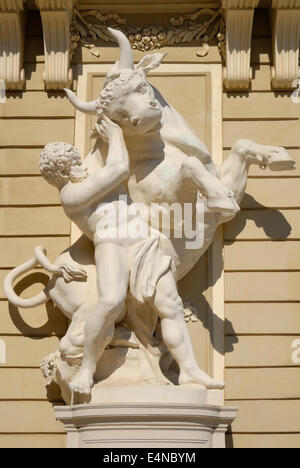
x=60, y=163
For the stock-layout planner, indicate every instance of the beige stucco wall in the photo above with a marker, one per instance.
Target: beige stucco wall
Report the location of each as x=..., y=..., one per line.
x=262, y=263
x=261, y=255
x=30, y=215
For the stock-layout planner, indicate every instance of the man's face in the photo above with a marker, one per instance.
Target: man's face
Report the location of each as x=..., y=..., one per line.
x=77, y=172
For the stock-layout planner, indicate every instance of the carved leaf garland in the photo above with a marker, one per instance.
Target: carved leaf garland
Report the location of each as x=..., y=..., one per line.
x=191, y=313
x=202, y=26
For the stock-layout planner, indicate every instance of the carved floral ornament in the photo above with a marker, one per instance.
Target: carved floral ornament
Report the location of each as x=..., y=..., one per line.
x=202, y=26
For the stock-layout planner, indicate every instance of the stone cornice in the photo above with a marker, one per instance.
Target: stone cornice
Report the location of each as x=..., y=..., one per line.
x=59, y=44
x=147, y=7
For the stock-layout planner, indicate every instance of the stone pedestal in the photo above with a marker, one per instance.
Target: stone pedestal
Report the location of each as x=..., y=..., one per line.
x=147, y=416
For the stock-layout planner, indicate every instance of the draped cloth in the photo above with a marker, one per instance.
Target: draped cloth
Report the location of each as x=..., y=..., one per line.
x=150, y=253
x=148, y=263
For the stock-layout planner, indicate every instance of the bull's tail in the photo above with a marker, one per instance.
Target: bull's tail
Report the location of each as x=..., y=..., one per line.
x=70, y=272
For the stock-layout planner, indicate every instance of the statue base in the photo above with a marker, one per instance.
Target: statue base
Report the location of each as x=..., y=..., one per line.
x=148, y=416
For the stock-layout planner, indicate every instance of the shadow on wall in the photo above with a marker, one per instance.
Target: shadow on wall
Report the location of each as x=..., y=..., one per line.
x=52, y=326
x=204, y=312
x=229, y=438
x=275, y=227
x=272, y=221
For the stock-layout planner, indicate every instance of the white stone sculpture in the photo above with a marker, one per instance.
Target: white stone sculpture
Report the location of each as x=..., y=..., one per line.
x=127, y=320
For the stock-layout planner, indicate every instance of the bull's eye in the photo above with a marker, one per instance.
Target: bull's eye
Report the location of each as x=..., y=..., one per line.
x=142, y=88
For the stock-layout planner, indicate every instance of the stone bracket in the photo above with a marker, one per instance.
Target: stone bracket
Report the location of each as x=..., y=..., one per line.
x=286, y=36
x=56, y=18
x=239, y=20
x=12, y=21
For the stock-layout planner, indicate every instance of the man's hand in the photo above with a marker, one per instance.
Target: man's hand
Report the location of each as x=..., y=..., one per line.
x=108, y=129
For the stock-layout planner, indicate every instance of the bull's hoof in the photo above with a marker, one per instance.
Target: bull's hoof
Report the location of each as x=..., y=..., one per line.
x=223, y=204
x=280, y=161
x=282, y=165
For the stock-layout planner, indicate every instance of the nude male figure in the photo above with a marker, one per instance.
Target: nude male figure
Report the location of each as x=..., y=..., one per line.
x=85, y=199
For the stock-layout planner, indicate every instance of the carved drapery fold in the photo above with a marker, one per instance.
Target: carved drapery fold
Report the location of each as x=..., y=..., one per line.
x=56, y=18
x=239, y=20
x=286, y=36
x=12, y=43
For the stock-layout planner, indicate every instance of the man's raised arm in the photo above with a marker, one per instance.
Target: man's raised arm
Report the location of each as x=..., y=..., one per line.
x=106, y=179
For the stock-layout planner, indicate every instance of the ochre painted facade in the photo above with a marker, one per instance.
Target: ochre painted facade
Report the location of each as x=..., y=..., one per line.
x=261, y=252
x=262, y=262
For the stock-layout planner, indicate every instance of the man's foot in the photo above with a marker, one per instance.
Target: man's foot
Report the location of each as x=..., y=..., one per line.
x=197, y=376
x=82, y=382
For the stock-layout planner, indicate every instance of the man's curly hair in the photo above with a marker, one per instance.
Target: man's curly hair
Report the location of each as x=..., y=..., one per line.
x=56, y=161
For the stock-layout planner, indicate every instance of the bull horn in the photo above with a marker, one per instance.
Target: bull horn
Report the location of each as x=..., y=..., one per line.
x=126, y=55
x=86, y=107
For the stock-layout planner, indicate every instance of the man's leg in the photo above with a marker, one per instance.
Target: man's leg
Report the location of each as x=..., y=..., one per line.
x=176, y=335
x=112, y=280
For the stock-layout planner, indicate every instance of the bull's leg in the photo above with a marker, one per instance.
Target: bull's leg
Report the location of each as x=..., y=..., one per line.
x=175, y=334
x=219, y=197
x=234, y=171
x=73, y=342
x=112, y=278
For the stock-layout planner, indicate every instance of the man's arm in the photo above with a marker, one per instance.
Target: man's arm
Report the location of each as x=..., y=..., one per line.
x=106, y=179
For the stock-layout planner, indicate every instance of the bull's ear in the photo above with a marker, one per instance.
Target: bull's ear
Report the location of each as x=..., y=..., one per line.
x=150, y=62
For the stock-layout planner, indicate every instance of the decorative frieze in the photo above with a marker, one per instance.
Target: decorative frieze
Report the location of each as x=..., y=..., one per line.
x=239, y=20
x=202, y=26
x=12, y=43
x=56, y=18
x=286, y=36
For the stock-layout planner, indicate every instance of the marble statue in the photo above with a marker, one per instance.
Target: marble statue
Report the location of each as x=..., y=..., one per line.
x=117, y=282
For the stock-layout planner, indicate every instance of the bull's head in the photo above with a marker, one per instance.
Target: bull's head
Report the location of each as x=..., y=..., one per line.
x=127, y=98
